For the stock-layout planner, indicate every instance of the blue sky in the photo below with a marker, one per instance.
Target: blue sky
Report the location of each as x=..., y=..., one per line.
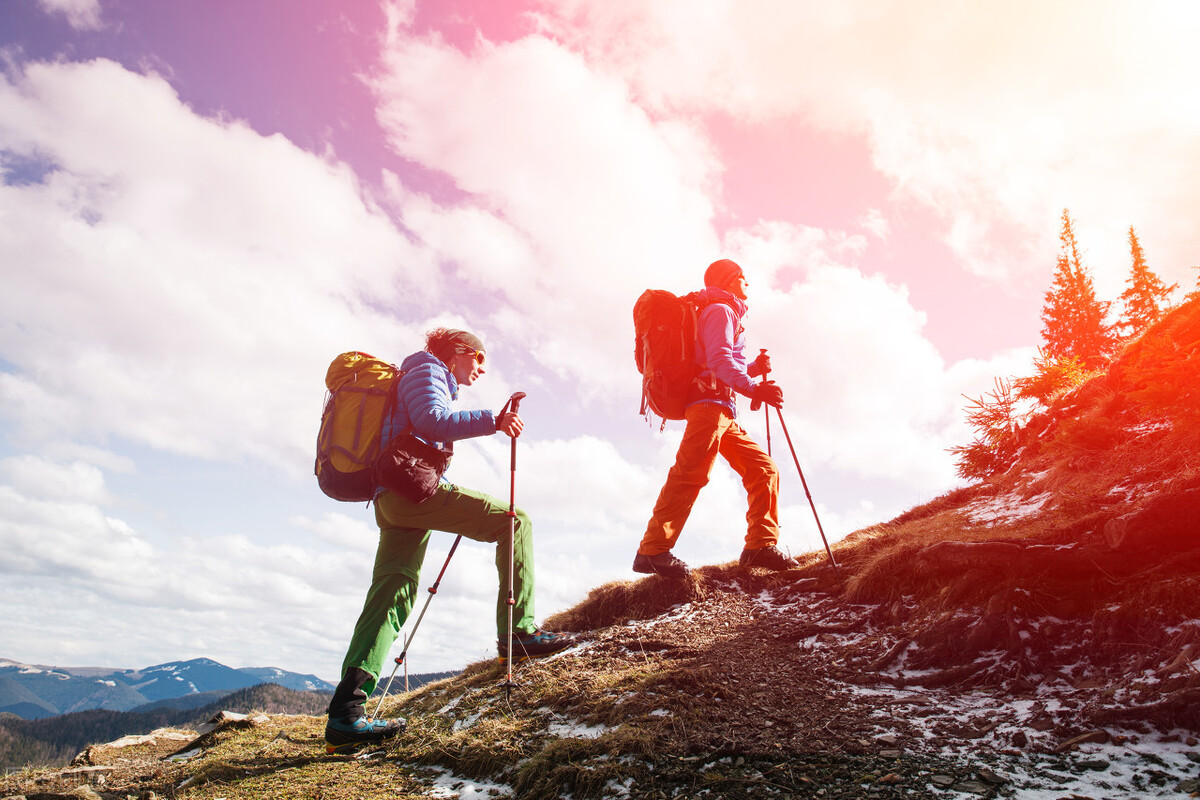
x=204, y=202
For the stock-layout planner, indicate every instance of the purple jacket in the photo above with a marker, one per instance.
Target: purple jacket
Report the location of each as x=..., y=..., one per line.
x=720, y=350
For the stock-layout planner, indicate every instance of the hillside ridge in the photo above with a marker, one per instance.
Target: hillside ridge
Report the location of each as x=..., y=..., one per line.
x=1033, y=635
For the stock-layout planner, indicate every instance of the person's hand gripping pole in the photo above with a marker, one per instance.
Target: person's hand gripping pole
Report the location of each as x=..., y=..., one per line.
x=512, y=425
x=763, y=362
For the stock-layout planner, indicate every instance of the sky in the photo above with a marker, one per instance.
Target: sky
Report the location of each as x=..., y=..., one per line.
x=205, y=201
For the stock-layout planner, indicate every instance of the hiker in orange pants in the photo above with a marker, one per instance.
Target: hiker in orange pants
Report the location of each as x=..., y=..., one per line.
x=712, y=430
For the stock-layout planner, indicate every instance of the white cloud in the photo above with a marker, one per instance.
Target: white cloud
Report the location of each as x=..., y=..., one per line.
x=84, y=15
x=573, y=191
x=995, y=115
x=340, y=530
x=40, y=478
x=225, y=590
x=187, y=279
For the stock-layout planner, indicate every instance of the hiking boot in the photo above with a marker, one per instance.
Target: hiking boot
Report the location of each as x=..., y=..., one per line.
x=768, y=558
x=537, y=644
x=345, y=733
x=665, y=564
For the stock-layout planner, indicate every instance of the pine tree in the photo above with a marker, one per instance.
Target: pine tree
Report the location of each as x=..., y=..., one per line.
x=1051, y=378
x=1073, y=318
x=995, y=419
x=1145, y=296
x=1195, y=292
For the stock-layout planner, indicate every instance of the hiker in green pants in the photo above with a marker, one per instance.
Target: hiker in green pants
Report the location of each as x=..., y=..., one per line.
x=404, y=529
x=429, y=383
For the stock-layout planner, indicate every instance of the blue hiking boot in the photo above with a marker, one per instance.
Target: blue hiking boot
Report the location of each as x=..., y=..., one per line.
x=537, y=644
x=343, y=734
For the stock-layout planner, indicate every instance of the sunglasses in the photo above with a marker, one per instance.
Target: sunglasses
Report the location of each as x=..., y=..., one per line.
x=478, y=354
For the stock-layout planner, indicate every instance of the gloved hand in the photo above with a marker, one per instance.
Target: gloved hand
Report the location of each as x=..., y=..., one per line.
x=760, y=365
x=767, y=392
x=509, y=422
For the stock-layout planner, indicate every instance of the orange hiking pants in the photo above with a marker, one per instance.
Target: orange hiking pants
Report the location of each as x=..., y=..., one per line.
x=710, y=430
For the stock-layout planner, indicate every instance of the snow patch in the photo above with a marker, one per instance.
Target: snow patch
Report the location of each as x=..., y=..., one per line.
x=1006, y=509
x=576, y=730
x=449, y=786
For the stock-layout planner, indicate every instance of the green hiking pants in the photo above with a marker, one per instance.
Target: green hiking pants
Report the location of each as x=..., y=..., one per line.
x=404, y=528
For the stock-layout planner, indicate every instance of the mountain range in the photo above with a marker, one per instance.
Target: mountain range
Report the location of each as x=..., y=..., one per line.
x=34, y=691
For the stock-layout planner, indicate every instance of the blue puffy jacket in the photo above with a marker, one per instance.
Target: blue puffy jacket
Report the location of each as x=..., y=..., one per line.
x=423, y=397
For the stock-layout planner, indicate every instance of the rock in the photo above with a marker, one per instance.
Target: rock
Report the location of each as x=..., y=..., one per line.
x=89, y=774
x=1041, y=723
x=1115, y=532
x=986, y=774
x=1093, y=764
x=942, y=781
x=891, y=778
x=1061, y=780
x=1165, y=524
x=889, y=739
x=223, y=718
x=973, y=787
x=135, y=740
x=1091, y=737
x=1189, y=786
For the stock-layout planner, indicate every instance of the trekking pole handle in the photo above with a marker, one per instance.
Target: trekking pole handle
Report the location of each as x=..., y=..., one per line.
x=757, y=404
x=514, y=403
x=762, y=352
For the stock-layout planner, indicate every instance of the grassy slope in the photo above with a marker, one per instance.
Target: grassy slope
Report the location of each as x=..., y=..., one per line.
x=1077, y=568
x=1097, y=521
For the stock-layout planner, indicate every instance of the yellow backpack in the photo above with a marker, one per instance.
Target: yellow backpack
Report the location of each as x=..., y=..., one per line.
x=358, y=401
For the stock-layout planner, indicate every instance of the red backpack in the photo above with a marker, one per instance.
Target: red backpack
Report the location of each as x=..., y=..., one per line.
x=665, y=350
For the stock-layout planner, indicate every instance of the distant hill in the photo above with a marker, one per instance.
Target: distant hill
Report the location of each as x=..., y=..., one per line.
x=55, y=740
x=33, y=691
x=38, y=738
x=291, y=680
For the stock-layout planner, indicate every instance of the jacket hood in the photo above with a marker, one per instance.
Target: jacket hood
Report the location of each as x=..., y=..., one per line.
x=423, y=358
x=418, y=358
x=709, y=294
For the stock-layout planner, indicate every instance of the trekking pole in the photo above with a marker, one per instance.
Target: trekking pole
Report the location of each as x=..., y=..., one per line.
x=408, y=641
x=515, y=401
x=754, y=404
x=806, y=491
x=767, y=416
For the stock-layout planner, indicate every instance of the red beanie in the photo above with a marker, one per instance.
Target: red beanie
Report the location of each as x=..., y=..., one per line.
x=720, y=273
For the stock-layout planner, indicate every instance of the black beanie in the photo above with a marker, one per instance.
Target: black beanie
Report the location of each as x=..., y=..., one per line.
x=465, y=339
x=443, y=342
